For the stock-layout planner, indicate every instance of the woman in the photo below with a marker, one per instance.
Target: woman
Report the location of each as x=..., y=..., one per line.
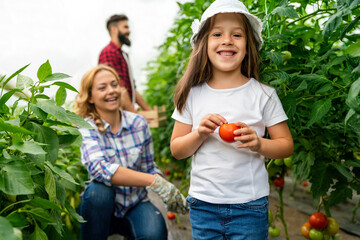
x=118, y=155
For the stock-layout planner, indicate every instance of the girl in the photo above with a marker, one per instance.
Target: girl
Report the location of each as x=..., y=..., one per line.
x=118, y=154
x=229, y=182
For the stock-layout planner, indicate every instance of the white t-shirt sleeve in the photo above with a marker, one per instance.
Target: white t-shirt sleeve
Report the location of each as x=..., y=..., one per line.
x=273, y=111
x=185, y=116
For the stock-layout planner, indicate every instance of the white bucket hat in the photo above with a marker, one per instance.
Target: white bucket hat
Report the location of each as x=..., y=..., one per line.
x=228, y=6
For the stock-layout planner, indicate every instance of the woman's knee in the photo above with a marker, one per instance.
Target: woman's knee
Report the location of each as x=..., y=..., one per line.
x=99, y=195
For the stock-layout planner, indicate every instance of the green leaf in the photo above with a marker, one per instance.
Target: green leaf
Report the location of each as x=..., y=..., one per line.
x=38, y=112
x=51, y=108
x=42, y=96
x=14, y=74
x=28, y=147
x=60, y=193
x=15, y=179
x=60, y=96
x=353, y=163
x=343, y=170
x=44, y=71
x=302, y=86
x=56, y=76
x=349, y=27
x=276, y=57
x=50, y=184
x=45, y=204
x=14, y=129
x=6, y=230
x=38, y=234
x=17, y=220
x=341, y=194
x=73, y=213
x=332, y=24
x=319, y=110
x=77, y=120
x=350, y=113
x=47, y=136
x=23, y=82
x=320, y=180
x=302, y=164
x=65, y=85
x=354, y=49
x=285, y=10
x=5, y=98
x=62, y=173
x=352, y=99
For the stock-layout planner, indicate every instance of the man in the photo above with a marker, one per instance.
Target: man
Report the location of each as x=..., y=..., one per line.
x=113, y=56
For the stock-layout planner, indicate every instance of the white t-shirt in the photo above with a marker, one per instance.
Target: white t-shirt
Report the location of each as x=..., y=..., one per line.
x=220, y=172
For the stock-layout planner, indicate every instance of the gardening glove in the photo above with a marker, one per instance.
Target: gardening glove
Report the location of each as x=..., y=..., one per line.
x=171, y=196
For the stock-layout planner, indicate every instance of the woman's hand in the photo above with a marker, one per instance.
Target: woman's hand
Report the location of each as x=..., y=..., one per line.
x=248, y=136
x=209, y=123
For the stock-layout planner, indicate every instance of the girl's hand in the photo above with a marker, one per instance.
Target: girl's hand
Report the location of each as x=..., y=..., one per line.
x=248, y=136
x=209, y=123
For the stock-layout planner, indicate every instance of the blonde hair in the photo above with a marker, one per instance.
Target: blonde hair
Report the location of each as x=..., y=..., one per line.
x=82, y=105
x=199, y=68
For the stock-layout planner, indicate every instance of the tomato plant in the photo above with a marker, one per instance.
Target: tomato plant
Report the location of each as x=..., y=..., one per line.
x=304, y=183
x=279, y=162
x=318, y=220
x=279, y=182
x=226, y=132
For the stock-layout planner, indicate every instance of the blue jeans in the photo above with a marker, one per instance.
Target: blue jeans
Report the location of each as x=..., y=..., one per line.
x=144, y=221
x=245, y=221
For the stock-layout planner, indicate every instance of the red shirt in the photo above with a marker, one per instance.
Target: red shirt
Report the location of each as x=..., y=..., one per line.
x=112, y=56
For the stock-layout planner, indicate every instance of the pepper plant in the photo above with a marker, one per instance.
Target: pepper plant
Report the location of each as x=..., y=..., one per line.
x=311, y=56
x=36, y=180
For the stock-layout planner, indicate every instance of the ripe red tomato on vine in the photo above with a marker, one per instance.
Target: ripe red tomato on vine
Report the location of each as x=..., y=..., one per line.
x=226, y=132
x=318, y=220
x=279, y=182
x=171, y=215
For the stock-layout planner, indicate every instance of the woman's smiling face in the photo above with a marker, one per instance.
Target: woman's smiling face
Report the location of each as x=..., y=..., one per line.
x=105, y=92
x=227, y=43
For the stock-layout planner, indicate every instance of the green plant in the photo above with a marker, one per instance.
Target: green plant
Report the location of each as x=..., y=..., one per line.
x=35, y=180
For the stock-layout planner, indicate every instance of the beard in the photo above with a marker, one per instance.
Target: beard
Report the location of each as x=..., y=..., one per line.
x=124, y=39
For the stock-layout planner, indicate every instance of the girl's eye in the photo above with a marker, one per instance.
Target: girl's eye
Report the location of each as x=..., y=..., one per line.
x=101, y=88
x=237, y=35
x=216, y=34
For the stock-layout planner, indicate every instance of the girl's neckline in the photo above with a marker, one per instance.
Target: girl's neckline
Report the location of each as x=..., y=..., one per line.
x=229, y=89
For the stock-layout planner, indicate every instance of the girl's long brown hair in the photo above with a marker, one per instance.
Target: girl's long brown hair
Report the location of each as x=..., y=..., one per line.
x=199, y=68
x=82, y=105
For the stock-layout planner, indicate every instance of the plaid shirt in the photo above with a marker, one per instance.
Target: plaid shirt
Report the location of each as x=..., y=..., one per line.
x=112, y=56
x=130, y=147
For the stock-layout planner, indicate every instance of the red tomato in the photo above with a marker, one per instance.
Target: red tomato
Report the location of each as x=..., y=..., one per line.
x=279, y=182
x=318, y=221
x=304, y=183
x=167, y=172
x=305, y=230
x=226, y=132
x=171, y=215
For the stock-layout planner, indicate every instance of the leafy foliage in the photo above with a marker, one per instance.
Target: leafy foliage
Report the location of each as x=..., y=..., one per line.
x=318, y=84
x=40, y=171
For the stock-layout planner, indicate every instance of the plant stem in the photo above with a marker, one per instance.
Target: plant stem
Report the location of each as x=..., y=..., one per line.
x=13, y=204
x=282, y=218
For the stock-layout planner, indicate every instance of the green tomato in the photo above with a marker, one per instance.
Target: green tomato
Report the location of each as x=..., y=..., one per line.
x=288, y=161
x=271, y=217
x=332, y=226
x=326, y=237
x=286, y=55
x=279, y=162
x=274, y=231
x=315, y=234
